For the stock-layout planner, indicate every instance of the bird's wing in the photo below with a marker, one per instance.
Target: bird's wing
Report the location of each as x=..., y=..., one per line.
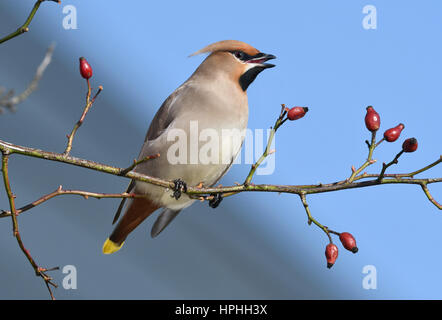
x=120, y=207
x=164, y=115
x=160, y=122
x=163, y=220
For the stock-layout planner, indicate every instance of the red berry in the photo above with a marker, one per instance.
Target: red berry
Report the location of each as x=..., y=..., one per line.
x=393, y=134
x=296, y=113
x=331, y=253
x=410, y=145
x=348, y=241
x=372, y=119
x=85, y=68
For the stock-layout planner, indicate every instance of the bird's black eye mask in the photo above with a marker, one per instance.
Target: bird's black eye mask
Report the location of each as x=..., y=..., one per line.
x=247, y=58
x=258, y=61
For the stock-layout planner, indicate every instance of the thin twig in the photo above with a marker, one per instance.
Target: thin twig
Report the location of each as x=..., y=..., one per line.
x=25, y=27
x=9, y=101
x=429, y=196
x=136, y=163
x=60, y=191
x=311, y=219
x=369, y=161
x=89, y=103
x=431, y=165
x=379, y=142
x=385, y=166
x=267, y=152
x=40, y=272
x=401, y=175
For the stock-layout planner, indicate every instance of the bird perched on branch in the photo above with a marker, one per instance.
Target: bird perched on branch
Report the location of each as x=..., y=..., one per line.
x=211, y=103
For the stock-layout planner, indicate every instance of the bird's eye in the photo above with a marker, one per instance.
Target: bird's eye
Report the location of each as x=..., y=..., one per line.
x=239, y=54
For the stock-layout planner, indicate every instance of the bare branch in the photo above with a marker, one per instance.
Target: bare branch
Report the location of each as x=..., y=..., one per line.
x=60, y=191
x=136, y=163
x=392, y=162
x=429, y=196
x=87, y=107
x=369, y=161
x=40, y=272
x=280, y=121
x=194, y=190
x=310, y=218
x=25, y=27
x=401, y=175
x=9, y=101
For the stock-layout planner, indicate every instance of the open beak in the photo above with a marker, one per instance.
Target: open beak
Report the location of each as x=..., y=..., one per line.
x=261, y=58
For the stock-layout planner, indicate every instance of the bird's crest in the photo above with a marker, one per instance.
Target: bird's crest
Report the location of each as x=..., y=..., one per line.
x=228, y=45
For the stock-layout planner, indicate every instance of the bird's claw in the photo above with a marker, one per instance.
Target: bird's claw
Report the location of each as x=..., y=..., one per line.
x=216, y=200
x=179, y=187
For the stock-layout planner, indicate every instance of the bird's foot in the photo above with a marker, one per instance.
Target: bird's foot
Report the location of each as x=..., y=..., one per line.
x=216, y=200
x=180, y=186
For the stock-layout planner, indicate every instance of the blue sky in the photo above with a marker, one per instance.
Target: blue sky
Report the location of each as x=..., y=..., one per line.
x=325, y=60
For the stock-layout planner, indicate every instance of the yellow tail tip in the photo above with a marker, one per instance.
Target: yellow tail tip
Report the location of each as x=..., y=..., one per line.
x=110, y=247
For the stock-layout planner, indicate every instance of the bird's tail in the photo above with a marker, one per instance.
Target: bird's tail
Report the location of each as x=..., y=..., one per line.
x=163, y=221
x=138, y=210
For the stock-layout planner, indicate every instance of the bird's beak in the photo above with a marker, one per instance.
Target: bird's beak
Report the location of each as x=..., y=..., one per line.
x=260, y=60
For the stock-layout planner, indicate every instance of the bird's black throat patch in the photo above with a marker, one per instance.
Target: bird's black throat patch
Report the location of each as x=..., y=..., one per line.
x=248, y=77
